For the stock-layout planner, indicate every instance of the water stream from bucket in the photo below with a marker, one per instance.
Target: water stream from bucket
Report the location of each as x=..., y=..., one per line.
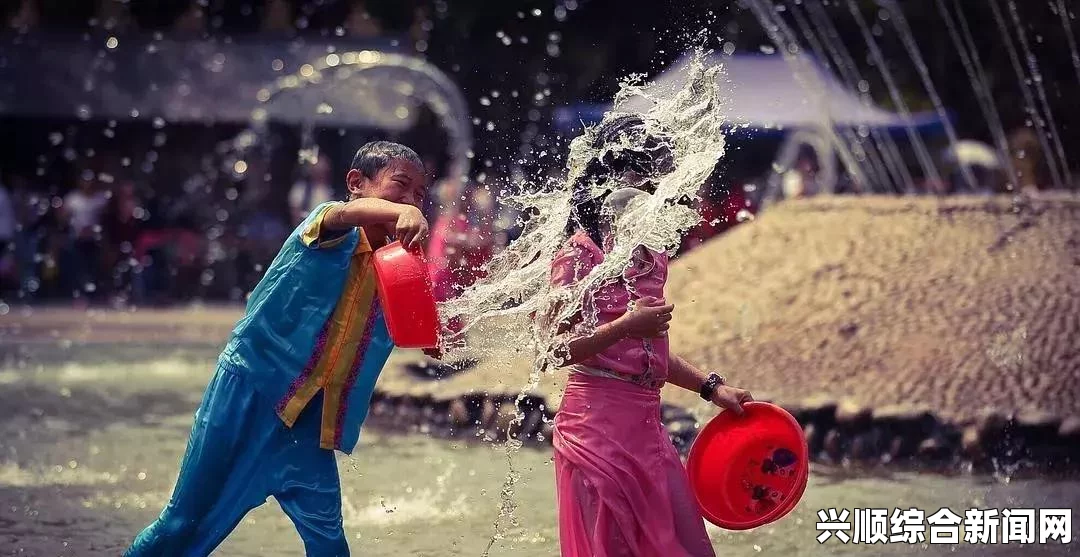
x=516, y=297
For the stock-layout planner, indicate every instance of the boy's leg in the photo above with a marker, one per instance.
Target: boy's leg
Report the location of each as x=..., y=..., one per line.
x=226, y=426
x=309, y=490
x=314, y=505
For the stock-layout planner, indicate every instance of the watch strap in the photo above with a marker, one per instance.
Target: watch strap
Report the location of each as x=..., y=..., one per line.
x=713, y=381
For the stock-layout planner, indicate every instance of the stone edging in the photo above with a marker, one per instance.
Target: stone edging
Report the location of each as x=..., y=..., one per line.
x=836, y=431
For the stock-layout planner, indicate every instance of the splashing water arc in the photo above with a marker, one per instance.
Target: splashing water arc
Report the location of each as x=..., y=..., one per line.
x=517, y=288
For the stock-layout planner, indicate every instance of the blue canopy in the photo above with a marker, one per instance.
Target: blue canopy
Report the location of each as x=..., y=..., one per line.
x=765, y=92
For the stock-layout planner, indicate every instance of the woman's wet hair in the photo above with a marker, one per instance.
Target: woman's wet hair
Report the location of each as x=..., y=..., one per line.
x=377, y=155
x=625, y=143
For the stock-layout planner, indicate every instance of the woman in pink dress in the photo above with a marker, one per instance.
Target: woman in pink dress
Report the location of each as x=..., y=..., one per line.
x=621, y=487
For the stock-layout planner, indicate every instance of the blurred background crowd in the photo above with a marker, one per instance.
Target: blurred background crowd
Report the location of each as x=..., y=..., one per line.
x=100, y=205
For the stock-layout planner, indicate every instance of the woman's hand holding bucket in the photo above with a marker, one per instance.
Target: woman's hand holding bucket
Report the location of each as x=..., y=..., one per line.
x=731, y=398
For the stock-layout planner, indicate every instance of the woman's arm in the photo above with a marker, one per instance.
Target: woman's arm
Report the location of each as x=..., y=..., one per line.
x=684, y=374
x=649, y=319
x=582, y=348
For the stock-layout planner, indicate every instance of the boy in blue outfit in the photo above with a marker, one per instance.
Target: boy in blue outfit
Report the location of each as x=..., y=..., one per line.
x=294, y=381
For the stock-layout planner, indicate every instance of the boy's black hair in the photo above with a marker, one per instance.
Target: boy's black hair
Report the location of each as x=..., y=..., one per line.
x=376, y=155
x=648, y=153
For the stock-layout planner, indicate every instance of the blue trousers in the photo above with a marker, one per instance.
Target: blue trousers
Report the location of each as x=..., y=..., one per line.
x=239, y=454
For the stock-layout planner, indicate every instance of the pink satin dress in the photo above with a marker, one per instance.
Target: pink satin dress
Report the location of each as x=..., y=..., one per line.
x=622, y=489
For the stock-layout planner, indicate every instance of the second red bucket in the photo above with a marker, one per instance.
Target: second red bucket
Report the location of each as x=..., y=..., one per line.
x=407, y=297
x=749, y=471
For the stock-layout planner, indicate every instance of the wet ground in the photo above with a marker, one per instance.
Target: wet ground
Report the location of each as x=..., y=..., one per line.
x=91, y=436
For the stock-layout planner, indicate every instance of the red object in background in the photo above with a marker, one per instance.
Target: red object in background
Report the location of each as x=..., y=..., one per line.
x=457, y=252
x=717, y=217
x=407, y=298
x=749, y=471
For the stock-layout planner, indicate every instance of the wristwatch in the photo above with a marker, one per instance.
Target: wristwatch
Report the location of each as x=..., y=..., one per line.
x=713, y=381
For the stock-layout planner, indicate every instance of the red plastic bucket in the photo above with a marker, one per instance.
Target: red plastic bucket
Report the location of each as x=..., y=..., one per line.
x=749, y=471
x=407, y=297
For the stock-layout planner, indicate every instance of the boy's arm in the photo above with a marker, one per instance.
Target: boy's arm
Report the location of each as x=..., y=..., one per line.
x=362, y=212
x=408, y=222
x=686, y=375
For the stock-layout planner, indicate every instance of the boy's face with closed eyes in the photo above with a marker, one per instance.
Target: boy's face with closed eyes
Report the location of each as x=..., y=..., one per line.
x=400, y=181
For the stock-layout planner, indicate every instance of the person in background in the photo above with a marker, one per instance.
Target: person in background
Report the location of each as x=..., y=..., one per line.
x=83, y=208
x=9, y=269
x=801, y=180
x=186, y=259
x=311, y=191
x=43, y=240
x=448, y=211
x=361, y=23
x=462, y=240
x=122, y=225
x=721, y=209
x=192, y=22
x=27, y=16
x=278, y=17
x=29, y=209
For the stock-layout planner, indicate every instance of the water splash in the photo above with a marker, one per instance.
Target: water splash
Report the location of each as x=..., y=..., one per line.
x=505, y=307
x=517, y=289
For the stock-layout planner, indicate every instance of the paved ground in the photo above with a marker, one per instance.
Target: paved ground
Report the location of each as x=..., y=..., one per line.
x=91, y=436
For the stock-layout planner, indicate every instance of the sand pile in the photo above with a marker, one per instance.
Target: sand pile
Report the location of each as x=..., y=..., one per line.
x=955, y=304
